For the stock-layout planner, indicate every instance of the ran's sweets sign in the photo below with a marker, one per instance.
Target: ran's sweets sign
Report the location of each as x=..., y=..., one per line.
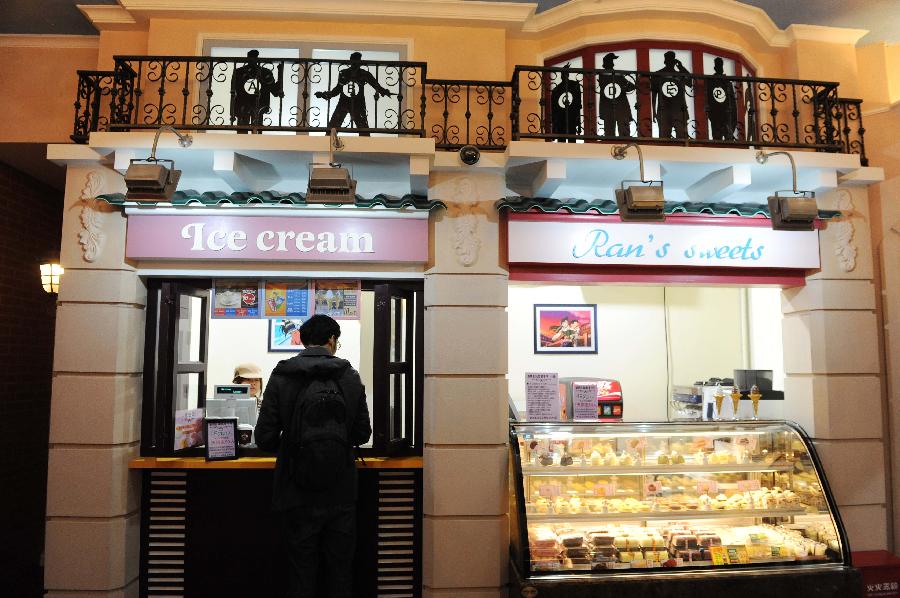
x=206, y=237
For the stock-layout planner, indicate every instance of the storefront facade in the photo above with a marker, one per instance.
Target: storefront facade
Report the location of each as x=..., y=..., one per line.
x=833, y=355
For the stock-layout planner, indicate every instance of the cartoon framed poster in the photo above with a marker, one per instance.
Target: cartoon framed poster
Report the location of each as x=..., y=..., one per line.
x=565, y=328
x=286, y=299
x=338, y=299
x=284, y=336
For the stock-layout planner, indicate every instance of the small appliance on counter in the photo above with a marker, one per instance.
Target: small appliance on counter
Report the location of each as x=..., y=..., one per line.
x=686, y=403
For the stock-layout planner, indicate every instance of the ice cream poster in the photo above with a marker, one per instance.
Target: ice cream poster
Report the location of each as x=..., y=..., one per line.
x=235, y=299
x=286, y=299
x=338, y=299
x=188, y=428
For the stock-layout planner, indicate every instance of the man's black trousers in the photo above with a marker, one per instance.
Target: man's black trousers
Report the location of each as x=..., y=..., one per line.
x=321, y=542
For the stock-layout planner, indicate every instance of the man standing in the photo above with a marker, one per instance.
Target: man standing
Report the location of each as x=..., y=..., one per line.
x=252, y=88
x=669, y=97
x=613, y=101
x=565, y=112
x=351, y=85
x=313, y=413
x=721, y=105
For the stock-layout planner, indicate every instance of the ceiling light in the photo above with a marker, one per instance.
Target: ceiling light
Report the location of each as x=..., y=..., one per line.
x=797, y=211
x=150, y=181
x=331, y=183
x=639, y=202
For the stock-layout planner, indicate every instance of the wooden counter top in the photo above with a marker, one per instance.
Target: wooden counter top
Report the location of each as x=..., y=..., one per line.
x=260, y=463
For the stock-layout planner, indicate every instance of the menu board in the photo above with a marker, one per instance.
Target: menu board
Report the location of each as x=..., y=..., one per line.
x=338, y=299
x=584, y=401
x=542, y=396
x=287, y=299
x=188, y=428
x=235, y=299
x=221, y=439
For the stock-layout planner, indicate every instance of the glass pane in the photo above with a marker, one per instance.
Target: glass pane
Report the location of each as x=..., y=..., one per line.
x=187, y=391
x=403, y=324
x=190, y=318
x=393, y=332
x=609, y=497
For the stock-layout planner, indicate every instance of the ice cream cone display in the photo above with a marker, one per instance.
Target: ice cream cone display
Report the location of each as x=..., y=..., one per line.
x=735, y=401
x=755, y=396
x=720, y=398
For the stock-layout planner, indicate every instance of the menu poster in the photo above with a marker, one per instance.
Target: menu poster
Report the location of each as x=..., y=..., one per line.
x=287, y=299
x=221, y=438
x=338, y=299
x=542, y=396
x=584, y=401
x=188, y=428
x=235, y=299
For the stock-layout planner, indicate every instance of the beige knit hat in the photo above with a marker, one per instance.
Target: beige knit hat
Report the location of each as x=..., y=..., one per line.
x=247, y=370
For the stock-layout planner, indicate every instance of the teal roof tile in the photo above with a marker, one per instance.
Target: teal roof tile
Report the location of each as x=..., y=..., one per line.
x=243, y=198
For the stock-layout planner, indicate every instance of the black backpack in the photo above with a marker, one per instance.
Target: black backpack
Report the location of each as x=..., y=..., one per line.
x=319, y=450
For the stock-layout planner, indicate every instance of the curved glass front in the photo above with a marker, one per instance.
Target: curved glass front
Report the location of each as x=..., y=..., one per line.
x=610, y=497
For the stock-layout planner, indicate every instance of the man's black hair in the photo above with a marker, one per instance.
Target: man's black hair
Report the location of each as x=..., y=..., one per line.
x=319, y=329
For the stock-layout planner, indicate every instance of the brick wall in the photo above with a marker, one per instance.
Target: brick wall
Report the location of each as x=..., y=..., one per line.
x=30, y=223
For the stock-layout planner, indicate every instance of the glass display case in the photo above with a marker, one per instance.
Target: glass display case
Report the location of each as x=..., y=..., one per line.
x=590, y=499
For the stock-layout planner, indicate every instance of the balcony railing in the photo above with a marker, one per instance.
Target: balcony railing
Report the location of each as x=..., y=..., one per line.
x=310, y=96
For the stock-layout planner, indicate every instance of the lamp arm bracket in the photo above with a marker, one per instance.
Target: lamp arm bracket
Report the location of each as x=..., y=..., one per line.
x=619, y=151
x=184, y=140
x=763, y=157
x=335, y=145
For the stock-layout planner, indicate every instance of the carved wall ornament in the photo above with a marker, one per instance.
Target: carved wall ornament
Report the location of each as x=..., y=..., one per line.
x=845, y=249
x=466, y=242
x=91, y=236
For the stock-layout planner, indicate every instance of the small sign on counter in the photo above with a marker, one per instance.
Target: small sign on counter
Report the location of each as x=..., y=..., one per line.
x=584, y=401
x=221, y=438
x=542, y=397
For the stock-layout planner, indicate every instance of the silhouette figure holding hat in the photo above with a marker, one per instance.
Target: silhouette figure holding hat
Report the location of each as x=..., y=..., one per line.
x=252, y=88
x=565, y=110
x=668, y=97
x=351, y=85
x=613, y=105
x=721, y=105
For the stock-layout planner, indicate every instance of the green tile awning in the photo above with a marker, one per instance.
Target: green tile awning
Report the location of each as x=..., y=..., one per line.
x=608, y=207
x=273, y=198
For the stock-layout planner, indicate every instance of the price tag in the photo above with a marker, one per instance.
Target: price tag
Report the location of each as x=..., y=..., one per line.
x=748, y=442
x=637, y=444
x=748, y=485
x=703, y=442
x=707, y=486
x=719, y=555
x=605, y=489
x=580, y=445
x=549, y=490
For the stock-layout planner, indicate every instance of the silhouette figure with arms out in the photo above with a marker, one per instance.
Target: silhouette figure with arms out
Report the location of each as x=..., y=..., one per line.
x=350, y=86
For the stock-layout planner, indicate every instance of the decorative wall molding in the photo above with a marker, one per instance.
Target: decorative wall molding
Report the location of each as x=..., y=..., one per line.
x=14, y=40
x=107, y=16
x=466, y=242
x=845, y=249
x=91, y=236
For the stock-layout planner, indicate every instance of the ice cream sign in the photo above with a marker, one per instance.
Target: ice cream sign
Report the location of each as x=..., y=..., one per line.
x=612, y=242
x=211, y=237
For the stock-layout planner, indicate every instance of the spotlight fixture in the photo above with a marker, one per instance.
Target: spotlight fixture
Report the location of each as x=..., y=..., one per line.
x=797, y=211
x=50, y=276
x=331, y=183
x=639, y=202
x=148, y=180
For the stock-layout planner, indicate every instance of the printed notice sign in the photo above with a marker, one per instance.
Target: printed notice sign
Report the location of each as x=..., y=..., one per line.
x=584, y=401
x=542, y=396
x=221, y=439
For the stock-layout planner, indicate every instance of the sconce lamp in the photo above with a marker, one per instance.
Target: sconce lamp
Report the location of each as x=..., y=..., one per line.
x=794, y=212
x=639, y=202
x=50, y=275
x=331, y=183
x=148, y=180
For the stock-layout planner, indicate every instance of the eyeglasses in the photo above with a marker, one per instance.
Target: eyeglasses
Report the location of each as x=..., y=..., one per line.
x=337, y=345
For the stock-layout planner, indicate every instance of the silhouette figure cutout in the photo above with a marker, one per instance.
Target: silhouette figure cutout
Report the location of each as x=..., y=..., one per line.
x=252, y=88
x=668, y=91
x=721, y=104
x=565, y=107
x=613, y=105
x=351, y=84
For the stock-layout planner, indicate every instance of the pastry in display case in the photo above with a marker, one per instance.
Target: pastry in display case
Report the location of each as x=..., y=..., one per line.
x=594, y=501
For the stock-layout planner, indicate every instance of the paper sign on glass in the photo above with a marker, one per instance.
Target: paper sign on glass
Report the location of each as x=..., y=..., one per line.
x=549, y=490
x=707, y=486
x=542, y=396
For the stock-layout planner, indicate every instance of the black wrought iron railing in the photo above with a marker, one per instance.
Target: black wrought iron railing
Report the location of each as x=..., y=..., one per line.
x=673, y=106
x=309, y=96
x=92, y=103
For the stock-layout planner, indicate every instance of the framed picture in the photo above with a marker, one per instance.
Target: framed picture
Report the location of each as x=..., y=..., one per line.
x=338, y=299
x=565, y=328
x=235, y=299
x=284, y=336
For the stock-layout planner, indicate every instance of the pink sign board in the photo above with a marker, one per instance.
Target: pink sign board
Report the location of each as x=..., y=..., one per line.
x=269, y=238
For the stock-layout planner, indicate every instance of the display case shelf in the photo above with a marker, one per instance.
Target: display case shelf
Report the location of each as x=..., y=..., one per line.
x=559, y=470
x=666, y=515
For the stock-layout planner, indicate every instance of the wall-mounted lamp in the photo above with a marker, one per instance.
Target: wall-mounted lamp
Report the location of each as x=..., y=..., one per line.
x=50, y=275
x=149, y=181
x=797, y=212
x=332, y=183
x=639, y=202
